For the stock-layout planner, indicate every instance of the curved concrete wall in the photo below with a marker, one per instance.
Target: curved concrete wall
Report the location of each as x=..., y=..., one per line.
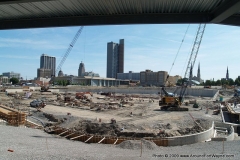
x=193, y=138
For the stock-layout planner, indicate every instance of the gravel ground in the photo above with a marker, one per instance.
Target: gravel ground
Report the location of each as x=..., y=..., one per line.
x=35, y=144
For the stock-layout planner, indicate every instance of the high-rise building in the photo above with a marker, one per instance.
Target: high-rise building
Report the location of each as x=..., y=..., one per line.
x=115, y=58
x=48, y=62
x=81, y=69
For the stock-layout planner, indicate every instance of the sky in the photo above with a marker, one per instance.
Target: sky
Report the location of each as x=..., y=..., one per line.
x=151, y=47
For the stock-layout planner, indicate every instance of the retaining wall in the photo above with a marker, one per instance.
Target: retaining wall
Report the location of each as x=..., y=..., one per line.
x=230, y=129
x=141, y=90
x=193, y=138
x=14, y=90
x=167, y=141
x=234, y=125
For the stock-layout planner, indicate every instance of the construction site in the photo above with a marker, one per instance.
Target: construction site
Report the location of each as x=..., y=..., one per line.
x=102, y=116
x=125, y=116
x=141, y=115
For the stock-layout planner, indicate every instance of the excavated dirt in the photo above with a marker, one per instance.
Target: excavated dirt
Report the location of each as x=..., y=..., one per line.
x=137, y=144
x=135, y=115
x=83, y=126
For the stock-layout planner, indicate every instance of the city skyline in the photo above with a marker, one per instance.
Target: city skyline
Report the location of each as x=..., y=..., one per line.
x=146, y=47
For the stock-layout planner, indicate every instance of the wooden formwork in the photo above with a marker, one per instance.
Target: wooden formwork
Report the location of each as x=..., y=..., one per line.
x=102, y=139
x=12, y=116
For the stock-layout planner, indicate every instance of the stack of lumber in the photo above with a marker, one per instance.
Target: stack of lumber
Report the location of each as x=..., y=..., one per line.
x=12, y=116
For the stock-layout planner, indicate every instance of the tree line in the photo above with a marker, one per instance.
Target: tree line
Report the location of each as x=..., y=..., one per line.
x=213, y=82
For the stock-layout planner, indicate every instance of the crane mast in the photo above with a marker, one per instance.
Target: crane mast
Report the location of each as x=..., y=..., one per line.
x=195, y=48
x=69, y=50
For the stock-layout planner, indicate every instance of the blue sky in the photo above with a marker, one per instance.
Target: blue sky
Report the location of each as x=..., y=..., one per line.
x=146, y=47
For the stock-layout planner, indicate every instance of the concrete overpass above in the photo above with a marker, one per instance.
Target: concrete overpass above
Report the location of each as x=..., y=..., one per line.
x=18, y=14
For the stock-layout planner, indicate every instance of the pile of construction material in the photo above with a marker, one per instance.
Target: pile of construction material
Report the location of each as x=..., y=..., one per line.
x=85, y=99
x=12, y=116
x=234, y=100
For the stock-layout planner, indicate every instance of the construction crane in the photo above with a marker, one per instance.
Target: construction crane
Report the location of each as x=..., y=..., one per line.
x=69, y=49
x=169, y=101
x=195, y=48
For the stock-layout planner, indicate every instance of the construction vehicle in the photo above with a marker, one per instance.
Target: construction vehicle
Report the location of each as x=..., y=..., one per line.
x=207, y=87
x=171, y=102
x=45, y=89
x=38, y=104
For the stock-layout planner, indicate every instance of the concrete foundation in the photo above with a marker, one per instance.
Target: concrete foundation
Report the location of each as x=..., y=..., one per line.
x=167, y=141
x=230, y=134
x=193, y=138
x=124, y=90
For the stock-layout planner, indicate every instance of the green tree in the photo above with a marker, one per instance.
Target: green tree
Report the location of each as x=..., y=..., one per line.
x=208, y=83
x=218, y=83
x=237, y=81
x=64, y=83
x=213, y=83
x=179, y=82
x=68, y=82
x=14, y=80
x=224, y=81
x=231, y=82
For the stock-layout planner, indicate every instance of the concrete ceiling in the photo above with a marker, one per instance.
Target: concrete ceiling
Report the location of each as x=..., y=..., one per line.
x=17, y=14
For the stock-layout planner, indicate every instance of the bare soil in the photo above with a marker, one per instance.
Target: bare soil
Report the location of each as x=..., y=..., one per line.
x=135, y=115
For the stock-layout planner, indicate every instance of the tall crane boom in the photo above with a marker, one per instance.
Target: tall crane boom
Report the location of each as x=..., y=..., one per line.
x=194, y=52
x=69, y=49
